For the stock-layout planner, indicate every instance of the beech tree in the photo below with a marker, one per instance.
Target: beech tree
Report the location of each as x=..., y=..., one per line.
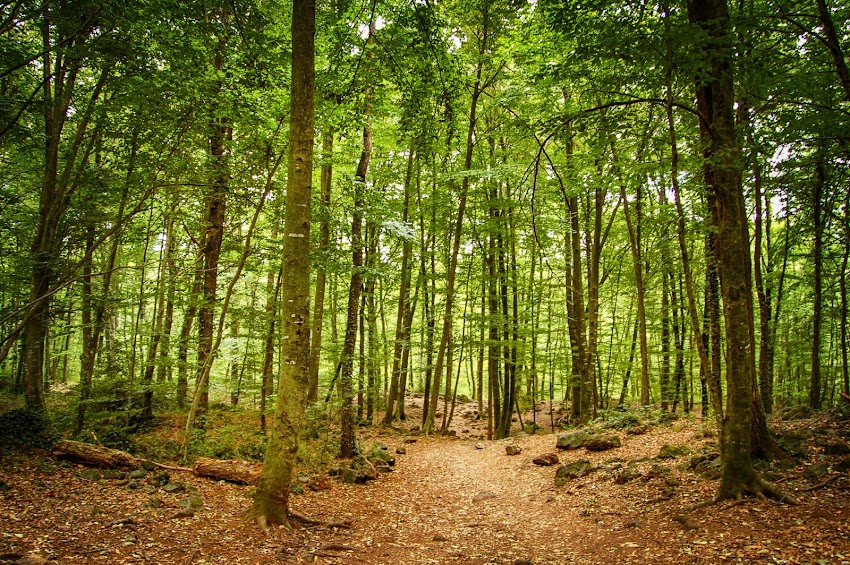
x=270, y=506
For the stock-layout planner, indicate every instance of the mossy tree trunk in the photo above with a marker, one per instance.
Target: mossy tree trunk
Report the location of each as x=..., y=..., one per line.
x=722, y=170
x=271, y=498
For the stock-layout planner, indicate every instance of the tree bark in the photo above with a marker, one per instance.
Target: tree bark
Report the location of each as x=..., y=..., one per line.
x=347, y=441
x=324, y=242
x=402, y=331
x=271, y=497
x=715, y=99
x=817, y=260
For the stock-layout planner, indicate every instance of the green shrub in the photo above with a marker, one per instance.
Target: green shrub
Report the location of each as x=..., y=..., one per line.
x=24, y=428
x=621, y=420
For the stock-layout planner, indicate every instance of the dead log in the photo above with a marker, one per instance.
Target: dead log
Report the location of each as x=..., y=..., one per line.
x=230, y=470
x=94, y=455
x=240, y=472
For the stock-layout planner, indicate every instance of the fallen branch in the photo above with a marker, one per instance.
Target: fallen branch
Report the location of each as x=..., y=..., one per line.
x=821, y=484
x=90, y=455
x=173, y=467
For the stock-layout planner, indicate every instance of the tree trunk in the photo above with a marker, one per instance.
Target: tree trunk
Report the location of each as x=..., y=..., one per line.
x=347, y=440
x=220, y=133
x=402, y=331
x=271, y=497
x=324, y=242
x=715, y=98
x=817, y=260
x=267, y=384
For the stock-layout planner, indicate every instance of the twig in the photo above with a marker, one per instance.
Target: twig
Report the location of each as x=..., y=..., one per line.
x=97, y=441
x=337, y=547
x=173, y=467
x=820, y=485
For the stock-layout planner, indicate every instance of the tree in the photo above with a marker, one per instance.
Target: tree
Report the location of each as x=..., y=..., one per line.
x=722, y=177
x=270, y=506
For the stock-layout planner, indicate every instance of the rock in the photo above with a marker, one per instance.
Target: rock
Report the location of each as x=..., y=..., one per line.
x=816, y=471
x=359, y=471
x=659, y=470
x=572, y=440
x=484, y=495
x=699, y=462
x=90, y=474
x=148, y=465
x=138, y=474
x=409, y=439
x=625, y=475
x=513, y=449
x=638, y=460
x=843, y=465
x=114, y=474
x=378, y=453
x=479, y=445
x=574, y=470
x=335, y=471
x=161, y=479
x=633, y=523
x=184, y=513
x=671, y=451
x=382, y=466
x=296, y=488
x=836, y=449
x=546, y=460
x=637, y=430
x=439, y=537
x=149, y=489
x=173, y=487
x=603, y=442
x=711, y=473
x=794, y=444
x=400, y=451
x=133, y=485
x=194, y=501
x=154, y=502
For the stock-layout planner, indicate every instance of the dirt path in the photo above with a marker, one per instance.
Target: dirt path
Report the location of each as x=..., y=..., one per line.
x=446, y=502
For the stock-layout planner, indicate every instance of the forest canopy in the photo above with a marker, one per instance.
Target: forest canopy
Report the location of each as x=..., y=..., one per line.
x=513, y=202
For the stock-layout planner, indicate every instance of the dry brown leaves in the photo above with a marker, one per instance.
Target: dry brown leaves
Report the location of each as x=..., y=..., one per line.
x=427, y=511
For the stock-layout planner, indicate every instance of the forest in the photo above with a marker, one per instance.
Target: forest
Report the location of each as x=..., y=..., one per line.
x=553, y=211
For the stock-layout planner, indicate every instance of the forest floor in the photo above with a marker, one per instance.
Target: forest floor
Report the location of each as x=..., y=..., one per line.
x=455, y=499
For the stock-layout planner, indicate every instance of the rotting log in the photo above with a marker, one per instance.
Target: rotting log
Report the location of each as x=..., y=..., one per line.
x=90, y=455
x=94, y=455
x=231, y=470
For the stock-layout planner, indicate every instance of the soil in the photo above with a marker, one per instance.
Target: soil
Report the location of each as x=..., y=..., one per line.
x=456, y=499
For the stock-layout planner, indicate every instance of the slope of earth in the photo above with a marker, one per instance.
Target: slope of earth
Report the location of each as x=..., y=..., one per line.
x=447, y=501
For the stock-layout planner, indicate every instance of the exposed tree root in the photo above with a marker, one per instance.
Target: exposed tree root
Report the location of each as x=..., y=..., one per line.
x=757, y=487
x=313, y=522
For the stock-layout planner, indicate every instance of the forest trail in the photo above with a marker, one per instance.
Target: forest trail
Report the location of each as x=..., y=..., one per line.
x=448, y=500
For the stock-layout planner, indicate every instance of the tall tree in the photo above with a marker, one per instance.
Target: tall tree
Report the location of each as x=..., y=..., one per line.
x=271, y=498
x=722, y=176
